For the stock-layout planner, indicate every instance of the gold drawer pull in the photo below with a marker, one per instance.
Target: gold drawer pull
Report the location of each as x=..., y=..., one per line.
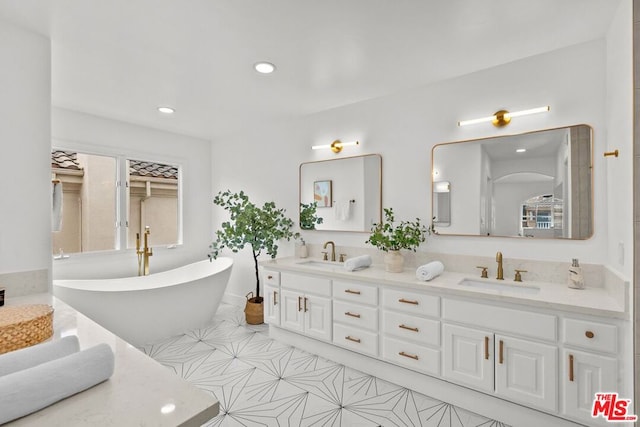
x=571, y=367
x=350, y=338
x=407, y=301
x=269, y=277
x=408, y=328
x=299, y=303
x=410, y=356
x=305, y=304
x=348, y=313
x=275, y=298
x=589, y=334
x=501, y=356
x=349, y=291
x=486, y=348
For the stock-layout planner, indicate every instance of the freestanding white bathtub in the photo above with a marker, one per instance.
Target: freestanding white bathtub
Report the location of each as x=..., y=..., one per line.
x=143, y=309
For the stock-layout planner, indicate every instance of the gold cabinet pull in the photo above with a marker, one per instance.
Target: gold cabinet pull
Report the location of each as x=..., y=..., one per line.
x=275, y=298
x=269, y=277
x=486, y=348
x=571, y=367
x=350, y=338
x=614, y=153
x=305, y=304
x=299, y=303
x=410, y=356
x=408, y=328
x=348, y=313
x=349, y=291
x=501, y=356
x=407, y=301
x=589, y=334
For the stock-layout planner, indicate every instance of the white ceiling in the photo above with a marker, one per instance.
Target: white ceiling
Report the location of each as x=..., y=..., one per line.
x=122, y=58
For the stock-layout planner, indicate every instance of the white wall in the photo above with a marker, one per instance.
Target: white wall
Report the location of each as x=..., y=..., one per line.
x=404, y=127
x=619, y=134
x=25, y=85
x=80, y=131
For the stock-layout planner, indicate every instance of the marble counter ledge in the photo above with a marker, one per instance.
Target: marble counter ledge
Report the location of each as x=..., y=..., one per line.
x=591, y=301
x=140, y=392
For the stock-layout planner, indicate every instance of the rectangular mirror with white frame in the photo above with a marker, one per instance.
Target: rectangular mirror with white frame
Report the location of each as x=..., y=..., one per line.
x=347, y=192
x=532, y=185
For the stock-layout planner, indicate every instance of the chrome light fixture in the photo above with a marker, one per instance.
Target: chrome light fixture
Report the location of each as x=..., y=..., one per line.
x=336, y=146
x=503, y=117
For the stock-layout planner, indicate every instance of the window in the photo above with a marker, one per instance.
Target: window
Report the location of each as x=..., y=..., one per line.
x=93, y=212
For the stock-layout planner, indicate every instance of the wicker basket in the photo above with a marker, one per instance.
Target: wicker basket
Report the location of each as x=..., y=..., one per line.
x=254, y=311
x=24, y=325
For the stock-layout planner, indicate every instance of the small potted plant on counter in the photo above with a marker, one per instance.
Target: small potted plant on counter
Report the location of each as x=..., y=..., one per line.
x=391, y=237
x=308, y=217
x=258, y=227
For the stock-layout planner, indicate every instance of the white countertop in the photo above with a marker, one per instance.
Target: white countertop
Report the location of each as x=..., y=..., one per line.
x=592, y=301
x=133, y=396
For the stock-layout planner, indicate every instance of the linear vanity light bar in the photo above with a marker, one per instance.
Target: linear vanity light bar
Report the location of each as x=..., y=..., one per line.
x=335, y=146
x=503, y=117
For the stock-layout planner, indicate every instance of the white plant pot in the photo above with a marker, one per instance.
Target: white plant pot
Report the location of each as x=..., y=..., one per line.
x=394, y=262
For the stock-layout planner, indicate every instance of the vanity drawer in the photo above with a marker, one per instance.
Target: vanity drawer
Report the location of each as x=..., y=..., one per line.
x=356, y=315
x=423, y=331
x=495, y=318
x=356, y=292
x=411, y=355
x=591, y=335
x=271, y=277
x=306, y=284
x=411, y=302
x=355, y=339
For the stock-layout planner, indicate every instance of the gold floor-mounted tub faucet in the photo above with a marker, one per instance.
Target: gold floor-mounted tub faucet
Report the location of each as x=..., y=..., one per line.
x=144, y=254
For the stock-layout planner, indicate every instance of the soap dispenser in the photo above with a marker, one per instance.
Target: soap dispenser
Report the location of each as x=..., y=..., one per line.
x=576, y=279
x=301, y=250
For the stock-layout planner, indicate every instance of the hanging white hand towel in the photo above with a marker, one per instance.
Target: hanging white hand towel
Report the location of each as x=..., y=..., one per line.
x=342, y=210
x=429, y=271
x=56, y=210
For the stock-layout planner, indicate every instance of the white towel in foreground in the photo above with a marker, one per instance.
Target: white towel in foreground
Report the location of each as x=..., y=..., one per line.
x=358, y=262
x=429, y=271
x=29, y=357
x=32, y=389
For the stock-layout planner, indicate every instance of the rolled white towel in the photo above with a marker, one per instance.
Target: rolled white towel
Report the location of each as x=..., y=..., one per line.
x=29, y=357
x=32, y=389
x=358, y=262
x=429, y=271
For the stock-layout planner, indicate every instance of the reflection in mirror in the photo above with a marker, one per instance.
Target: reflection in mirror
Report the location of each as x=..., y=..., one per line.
x=442, y=203
x=536, y=185
x=348, y=191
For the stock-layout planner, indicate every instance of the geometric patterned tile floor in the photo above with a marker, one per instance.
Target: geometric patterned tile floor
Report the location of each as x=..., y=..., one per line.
x=261, y=382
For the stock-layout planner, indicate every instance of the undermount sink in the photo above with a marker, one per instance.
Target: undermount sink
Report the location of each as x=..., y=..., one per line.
x=497, y=286
x=321, y=264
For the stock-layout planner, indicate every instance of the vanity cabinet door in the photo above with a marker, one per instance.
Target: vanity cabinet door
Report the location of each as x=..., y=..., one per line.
x=291, y=313
x=272, y=305
x=468, y=356
x=527, y=372
x=584, y=375
x=317, y=317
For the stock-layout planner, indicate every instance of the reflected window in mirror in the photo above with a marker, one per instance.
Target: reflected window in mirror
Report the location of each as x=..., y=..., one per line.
x=442, y=203
x=350, y=197
x=536, y=184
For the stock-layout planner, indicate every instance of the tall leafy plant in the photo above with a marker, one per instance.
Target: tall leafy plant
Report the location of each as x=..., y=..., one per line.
x=249, y=224
x=392, y=236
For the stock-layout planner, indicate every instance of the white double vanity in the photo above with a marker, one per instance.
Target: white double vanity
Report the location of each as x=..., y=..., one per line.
x=527, y=354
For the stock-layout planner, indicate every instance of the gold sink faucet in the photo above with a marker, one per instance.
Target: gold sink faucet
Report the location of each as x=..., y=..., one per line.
x=144, y=254
x=499, y=261
x=333, y=249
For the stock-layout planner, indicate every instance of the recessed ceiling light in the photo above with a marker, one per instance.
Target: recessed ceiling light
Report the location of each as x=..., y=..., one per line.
x=521, y=150
x=264, y=67
x=166, y=110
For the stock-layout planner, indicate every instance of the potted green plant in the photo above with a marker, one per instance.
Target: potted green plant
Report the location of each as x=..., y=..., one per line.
x=258, y=227
x=308, y=217
x=391, y=237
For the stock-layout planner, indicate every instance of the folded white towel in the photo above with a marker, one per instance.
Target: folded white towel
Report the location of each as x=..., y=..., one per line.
x=429, y=271
x=56, y=209
x=29, y=357
x=358, y=262
x=32, y=389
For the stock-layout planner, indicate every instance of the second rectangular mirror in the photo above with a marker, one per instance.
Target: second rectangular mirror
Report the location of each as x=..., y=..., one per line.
x=536, y=184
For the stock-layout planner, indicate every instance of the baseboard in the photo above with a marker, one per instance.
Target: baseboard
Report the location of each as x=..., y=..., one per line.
x=232, y=299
